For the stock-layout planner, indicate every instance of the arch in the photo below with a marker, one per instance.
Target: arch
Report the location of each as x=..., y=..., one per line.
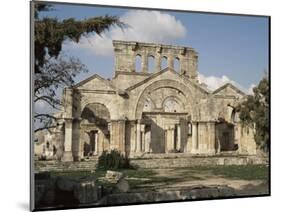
x=138, y=63
x=96, y=113
x=177, y=64
x=94, y=129
x=148, y=105
x=234, y=118
x=108, y=100
x=189, y=100
x=88, y=143
x=151, y=64
x=164, y=62
x=172, y=104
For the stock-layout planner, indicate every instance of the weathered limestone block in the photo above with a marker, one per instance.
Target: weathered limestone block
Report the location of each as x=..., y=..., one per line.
x=122, y=185
x=87, y=192
x=113, y=176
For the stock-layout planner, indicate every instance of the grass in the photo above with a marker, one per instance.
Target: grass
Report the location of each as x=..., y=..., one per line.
x=78, y=174
x=153, y=180
x=243, y=172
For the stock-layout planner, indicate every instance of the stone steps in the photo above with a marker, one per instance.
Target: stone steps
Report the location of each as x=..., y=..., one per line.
x=65, y=166
x=153, y=163
x=196, y=161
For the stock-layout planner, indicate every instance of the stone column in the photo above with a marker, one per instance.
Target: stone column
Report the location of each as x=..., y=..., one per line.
x=138, y=148
x=212, y=138
x=158, y=63
x=238, y=137
x=172, y=140
x=183, y=65
x=131, y=136
x=144, y=64
x=171, y=62
x=96, y=143
x=194, y=137
x=178, y=138
x=142, y=138
x=67, y=155
x=147, y=141
x=118, y=135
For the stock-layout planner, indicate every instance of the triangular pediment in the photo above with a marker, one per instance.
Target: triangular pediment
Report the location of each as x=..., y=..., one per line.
x=229, y=90
x=168, y=73
x=95, y=82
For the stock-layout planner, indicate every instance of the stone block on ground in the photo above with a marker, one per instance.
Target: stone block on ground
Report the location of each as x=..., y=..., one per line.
x=87, y=192
x=122, y=185
x=113, y=176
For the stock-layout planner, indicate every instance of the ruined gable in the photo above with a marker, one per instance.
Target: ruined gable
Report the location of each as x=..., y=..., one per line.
x=95, y=83
x=229, y=90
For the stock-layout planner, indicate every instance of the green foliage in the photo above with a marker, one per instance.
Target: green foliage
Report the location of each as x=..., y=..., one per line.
x=53, y=69
x=113, y=160
x=241, y=172
x=50, y=33
x=254, y=112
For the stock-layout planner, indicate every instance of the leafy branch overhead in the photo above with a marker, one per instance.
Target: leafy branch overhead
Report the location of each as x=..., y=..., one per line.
x=53, y=69
x=56, y=73
x=50, y=34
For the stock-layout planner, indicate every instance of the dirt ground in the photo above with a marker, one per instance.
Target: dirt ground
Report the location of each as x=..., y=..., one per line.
x=175, y=179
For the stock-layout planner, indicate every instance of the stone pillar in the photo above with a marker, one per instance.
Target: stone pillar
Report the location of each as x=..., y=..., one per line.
x=192, y=61
x=142, y=138
x=178, y=138
x=138, y=148
x=157, y=63
x=183, y=65
x=144, y=64
x=171, y=62
x=212, y=138
x=194, y=137
x=132, y=136
x=170, y=139
x=118, y=135
x=238, y=137
x=147, y=141
x=96, y=143
x=67, y=155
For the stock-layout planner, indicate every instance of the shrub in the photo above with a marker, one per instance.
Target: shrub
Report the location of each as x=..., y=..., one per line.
x=113, y=160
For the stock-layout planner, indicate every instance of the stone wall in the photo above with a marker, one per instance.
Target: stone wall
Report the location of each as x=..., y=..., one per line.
x=126, y=53
x=153, y=163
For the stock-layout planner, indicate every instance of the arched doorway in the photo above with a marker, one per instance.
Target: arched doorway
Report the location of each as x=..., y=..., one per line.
x=163, y=111
x=91, y=144
x=94, y=130
x=225, y=134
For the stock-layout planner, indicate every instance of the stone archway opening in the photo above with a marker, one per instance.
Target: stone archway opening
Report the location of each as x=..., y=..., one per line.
x=91, y=144
x=94, y=130
x=226, y=137
x=163, y=112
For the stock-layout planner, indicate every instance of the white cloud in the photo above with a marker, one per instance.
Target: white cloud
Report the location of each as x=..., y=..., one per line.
x=250, y=90
x=145, y=26
x=214, y=83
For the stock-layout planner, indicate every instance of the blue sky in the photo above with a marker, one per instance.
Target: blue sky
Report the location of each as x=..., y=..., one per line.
x=231, y=48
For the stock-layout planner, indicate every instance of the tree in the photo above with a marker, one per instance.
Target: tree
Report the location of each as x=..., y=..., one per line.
x=52, y=69
x=55, y=73
x=254, y=112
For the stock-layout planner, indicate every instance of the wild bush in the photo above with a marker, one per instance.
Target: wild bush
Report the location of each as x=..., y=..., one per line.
x=113, y=160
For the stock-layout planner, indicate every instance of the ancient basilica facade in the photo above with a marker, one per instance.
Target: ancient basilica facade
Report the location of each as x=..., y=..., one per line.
x=158, y=110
